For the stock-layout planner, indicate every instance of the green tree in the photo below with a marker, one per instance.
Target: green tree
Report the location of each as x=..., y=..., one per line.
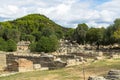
x=59, y=34
x=3, y=45
x=47, y=32
x=108, y=38
x=112, y=32
x=95, y=35
x=30, y=38
x=116, y=35
x=116, y=24
x=80, y=33
x=11, y=46
x=32, y=47
x=69, y=34
x=37, y=35
x=47, y=44
x=11, y=34
x=83, y=26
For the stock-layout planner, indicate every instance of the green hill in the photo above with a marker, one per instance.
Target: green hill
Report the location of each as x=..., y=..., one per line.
x=31, y=28
x=31, y=23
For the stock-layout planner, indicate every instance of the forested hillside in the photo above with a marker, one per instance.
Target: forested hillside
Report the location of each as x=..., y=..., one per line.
x=31, y=28
x=29, y=25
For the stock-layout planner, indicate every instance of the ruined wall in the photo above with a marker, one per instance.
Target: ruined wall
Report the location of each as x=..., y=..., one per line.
x=19, y=63
x=2, y=61
x=23, y=63
x=11, y=63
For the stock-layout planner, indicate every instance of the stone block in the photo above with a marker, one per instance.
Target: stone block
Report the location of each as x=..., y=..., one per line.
x=25, y=65
x=36, y=66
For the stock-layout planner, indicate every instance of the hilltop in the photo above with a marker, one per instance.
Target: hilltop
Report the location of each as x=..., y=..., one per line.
x=31, y=23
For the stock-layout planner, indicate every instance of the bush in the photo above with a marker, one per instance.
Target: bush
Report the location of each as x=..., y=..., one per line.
x=8, y=46
x=3, y=44
x=32, y=47
x=45, y=44
x=11, y=46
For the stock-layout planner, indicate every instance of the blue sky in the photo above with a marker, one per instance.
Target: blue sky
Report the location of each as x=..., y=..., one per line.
x=100, y=1
x=68, y=13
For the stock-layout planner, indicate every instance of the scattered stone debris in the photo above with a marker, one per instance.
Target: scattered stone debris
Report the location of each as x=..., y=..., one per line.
x=115, y=56
x=112, y=75
x=8, y=74
x=96, y=78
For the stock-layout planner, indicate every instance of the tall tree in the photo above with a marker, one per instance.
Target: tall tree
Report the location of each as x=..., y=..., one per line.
x=80, y=33
x=95, y=35
x=11, y=46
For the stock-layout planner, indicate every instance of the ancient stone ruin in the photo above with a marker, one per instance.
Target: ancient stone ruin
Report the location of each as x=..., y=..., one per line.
x=112, y=75
x=69, y=54
x=28, y=62
x=96, y=78
x=23, y=46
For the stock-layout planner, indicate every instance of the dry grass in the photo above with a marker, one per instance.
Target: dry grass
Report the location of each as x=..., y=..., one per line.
x=69, y=73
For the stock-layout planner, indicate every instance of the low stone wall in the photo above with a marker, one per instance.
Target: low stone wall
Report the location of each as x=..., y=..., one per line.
x=28, y=62
x=24, y=61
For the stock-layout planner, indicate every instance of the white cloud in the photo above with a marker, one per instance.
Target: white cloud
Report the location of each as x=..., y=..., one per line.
x=65, y=12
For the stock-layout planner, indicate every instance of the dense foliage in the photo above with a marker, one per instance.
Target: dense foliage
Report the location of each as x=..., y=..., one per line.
x=102, y=36
x=47, y=44
x=80, y=33
x=44, y=34
x=9, y=45
x=33, y=28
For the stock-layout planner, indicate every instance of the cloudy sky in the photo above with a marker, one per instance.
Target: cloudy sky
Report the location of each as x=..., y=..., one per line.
x=68, y=13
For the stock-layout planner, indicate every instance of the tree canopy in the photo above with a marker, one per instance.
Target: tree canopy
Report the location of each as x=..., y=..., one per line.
x=105, y=36
x=80, y=33
x=45, y=44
